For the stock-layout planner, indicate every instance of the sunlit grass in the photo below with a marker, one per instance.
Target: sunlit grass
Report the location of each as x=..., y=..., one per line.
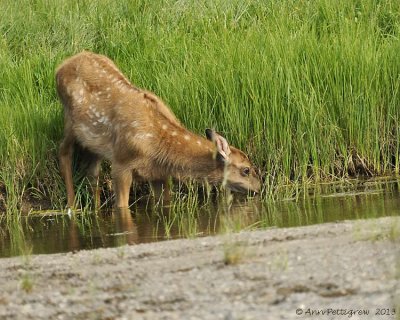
x=309, y=89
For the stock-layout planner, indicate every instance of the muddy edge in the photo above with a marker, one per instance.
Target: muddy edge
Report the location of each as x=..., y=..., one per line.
x=348, y=269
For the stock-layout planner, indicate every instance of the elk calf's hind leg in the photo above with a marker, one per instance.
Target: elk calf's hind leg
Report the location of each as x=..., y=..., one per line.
x=65, y=162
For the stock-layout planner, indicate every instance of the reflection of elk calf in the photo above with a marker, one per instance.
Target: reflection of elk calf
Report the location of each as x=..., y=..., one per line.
x=138, y=133
x=107, y=231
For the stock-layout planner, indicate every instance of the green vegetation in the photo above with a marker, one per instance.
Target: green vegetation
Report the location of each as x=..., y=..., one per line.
x=27, y=282
x=235, y=253
x=310, y=89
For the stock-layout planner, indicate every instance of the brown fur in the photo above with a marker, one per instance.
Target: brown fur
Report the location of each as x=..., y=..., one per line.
x=136, y=131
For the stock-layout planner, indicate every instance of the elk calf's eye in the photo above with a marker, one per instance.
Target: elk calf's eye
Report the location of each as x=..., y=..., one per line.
x=246, y=171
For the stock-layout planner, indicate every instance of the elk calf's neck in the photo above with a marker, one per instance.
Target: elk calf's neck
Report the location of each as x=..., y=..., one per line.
x=141, y=137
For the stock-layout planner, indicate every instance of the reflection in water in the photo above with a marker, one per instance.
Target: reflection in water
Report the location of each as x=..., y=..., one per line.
x=190, y=217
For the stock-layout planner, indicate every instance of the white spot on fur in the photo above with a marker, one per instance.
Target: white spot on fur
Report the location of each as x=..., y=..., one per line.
x=78, y=96
x=86, y=132
x=103, y=120
x=198, y=142
x=174, y=133
x=187, y=137
x=164, y=126
x=93, y=113
x=134, y=124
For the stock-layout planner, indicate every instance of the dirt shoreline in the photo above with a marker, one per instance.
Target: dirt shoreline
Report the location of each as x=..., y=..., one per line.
x=269, y=274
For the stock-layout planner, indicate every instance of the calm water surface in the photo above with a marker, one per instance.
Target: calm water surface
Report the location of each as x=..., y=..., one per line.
x=51, y=232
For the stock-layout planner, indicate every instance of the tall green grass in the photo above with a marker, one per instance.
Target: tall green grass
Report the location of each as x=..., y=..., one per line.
x=310, y=89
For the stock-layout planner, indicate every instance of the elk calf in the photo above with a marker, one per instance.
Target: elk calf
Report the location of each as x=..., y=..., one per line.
x=137, y=133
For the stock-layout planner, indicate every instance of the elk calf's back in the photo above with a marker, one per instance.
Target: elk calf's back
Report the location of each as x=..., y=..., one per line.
x=137, y=133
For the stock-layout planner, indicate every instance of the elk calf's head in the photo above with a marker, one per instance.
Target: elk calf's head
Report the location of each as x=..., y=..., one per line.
x=240, y=175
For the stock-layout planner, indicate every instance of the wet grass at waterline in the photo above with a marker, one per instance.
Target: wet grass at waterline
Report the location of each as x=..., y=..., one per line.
x=309, y=89
x=50, y=232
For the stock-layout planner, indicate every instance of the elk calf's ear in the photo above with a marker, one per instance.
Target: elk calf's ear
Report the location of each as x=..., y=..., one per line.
x=223, y=149
x=210, y=135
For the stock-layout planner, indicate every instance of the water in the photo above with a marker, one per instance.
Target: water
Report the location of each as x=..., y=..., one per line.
x=52, y=233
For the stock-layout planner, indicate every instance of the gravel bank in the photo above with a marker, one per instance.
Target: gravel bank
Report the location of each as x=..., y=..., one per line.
x=270, y=274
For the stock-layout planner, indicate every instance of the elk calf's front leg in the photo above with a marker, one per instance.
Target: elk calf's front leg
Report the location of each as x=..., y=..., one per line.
x=122, y=181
